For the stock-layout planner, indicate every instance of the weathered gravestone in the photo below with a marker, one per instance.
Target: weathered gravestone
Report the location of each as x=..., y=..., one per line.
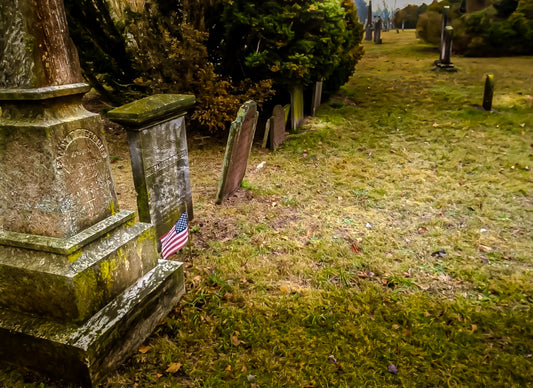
x=275, y=128
x=488, y=92
x=159, y=159
x=317, y=97
x=377, y=31
x=445, y=16
x=445, y=62
x=239, y=145
x=297, y=107
x=368, y=27
x=81, y=285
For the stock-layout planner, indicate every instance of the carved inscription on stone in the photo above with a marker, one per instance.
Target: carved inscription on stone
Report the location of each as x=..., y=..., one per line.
x=82, y=159
x=160, y=167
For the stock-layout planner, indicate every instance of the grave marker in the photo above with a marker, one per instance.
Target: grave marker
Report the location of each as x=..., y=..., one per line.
x=377, y=31
x=317, y=97
x=297, y=107
x=445, y=14
x=368, y=27
x=445, y=62
x=488, y=93
x=275, y=132
x=81, y=285
x=159, y=158
x=239, y=145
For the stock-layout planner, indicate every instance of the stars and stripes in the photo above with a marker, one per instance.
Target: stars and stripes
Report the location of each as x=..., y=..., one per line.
x=176, y=238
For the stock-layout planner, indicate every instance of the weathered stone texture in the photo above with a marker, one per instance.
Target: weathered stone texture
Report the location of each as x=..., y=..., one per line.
x=55, y=172
x=159, y=157
x=35, y=46
x=240, y=138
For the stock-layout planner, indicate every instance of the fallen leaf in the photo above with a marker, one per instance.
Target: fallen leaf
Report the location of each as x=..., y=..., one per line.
x=228, y=368
x=392, y=369
x=284, y=289
x=173, y=367
x=484, y=248
x=407, y=332
x=144, y=349
x=422, y=230
x=243, y=369
x=235, y=341
x=355, y=248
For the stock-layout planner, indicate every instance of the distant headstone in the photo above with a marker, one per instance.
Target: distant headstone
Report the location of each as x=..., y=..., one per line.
x=277, y=127
x=239, y=145
x=445, y=62
x=81, y=283
x=445, y=15
x=297, y=107
x=488, y=92
x=159, y=157
x=447, y=48
x=377, y=31
x=287, y=109
x=317, y=97
x=368, y=28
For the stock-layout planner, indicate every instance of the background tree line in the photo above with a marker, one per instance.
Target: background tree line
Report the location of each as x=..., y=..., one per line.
x=482, y=27
x=224, y=52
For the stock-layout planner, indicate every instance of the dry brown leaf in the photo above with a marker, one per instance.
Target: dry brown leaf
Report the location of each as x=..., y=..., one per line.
x=144, y=349
x=235, y=341
x=173, y=367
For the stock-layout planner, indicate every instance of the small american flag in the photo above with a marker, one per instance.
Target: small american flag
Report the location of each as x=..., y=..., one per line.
x=176, y=238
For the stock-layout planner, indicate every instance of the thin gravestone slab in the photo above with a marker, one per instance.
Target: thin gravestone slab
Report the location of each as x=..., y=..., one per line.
x=277, y=127
x=239, y=145
x=317, y=97
x=159, y=157
x=297, y=107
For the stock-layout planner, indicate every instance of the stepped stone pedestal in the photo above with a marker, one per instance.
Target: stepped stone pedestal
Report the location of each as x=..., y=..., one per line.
x=81, y=283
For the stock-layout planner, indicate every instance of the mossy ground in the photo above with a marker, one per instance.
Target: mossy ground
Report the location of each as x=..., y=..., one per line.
x=386, y=243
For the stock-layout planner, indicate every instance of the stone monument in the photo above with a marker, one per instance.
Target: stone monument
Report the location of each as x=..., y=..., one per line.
x=377, y=30
x=275, y=128
x=445, y=16
x=159, y=158
x=444, y=63
x=239, y=145
x=488, y=92
x=317, y=97
x=81, y=284
x=368, y=27
x=297, y=107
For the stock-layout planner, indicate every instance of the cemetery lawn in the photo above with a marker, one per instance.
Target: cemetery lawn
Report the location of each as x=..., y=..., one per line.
x=387, y=243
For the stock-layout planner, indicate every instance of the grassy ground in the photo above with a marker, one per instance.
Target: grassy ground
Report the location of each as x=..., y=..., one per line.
x=387, y=243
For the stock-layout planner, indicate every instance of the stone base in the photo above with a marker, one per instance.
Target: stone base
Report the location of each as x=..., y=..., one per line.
x=82, y=355
x=444, y=66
